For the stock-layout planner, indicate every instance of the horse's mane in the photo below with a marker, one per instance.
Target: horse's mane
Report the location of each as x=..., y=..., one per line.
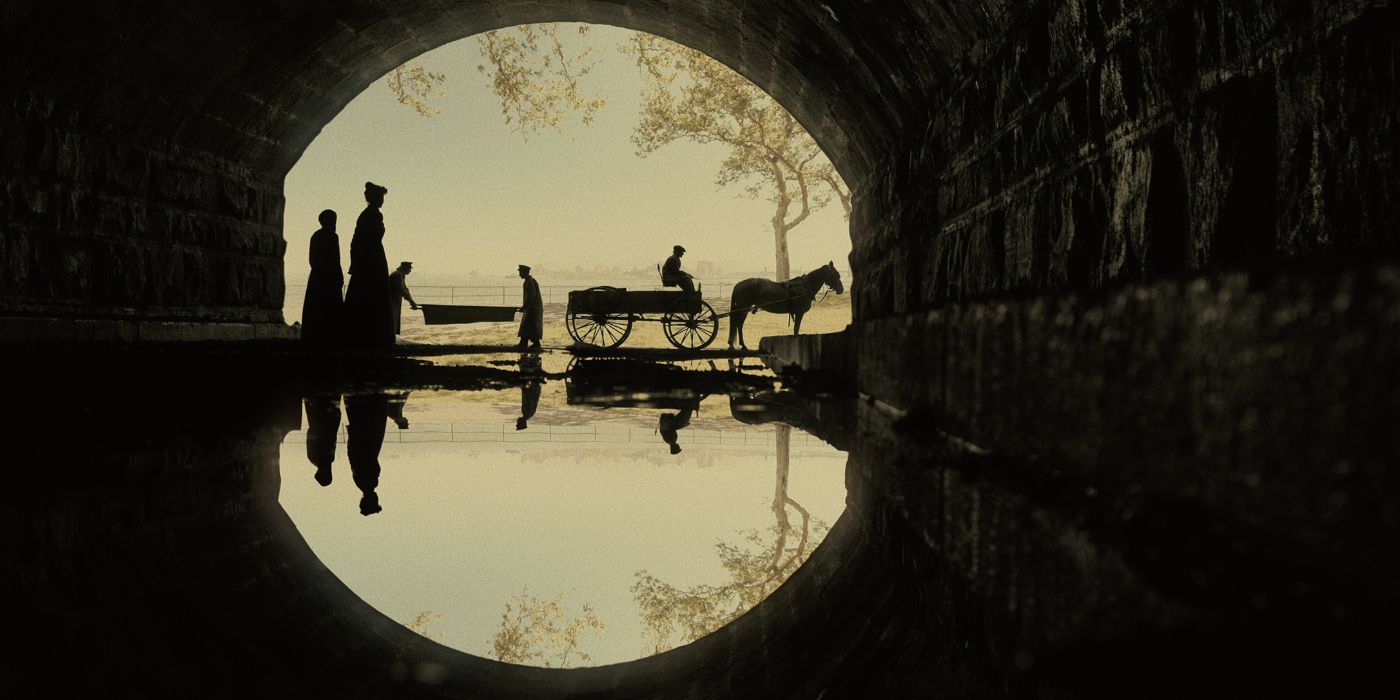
x=808, y=277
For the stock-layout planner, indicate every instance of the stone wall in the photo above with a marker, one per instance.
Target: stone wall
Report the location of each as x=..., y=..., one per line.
x=140, y=176
x=1104, y=142
x=106, y=228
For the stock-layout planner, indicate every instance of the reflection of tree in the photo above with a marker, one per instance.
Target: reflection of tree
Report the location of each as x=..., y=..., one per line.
x=756, y=565
x=420, y=624
x=535, y=631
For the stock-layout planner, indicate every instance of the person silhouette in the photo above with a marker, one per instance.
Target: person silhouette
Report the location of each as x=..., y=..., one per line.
x=322, y=309
x=532, y=311
x=398, y=292
x=367, y=415
x=529, y=402
x=671, y=273
x=323, y=425
x=669, y=425
x=367, y=317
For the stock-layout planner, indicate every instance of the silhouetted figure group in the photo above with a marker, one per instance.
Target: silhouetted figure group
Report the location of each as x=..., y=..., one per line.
x=367, y=416
x=370, y=313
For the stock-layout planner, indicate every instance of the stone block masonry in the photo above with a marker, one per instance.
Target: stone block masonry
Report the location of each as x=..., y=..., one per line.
x=1104, y=143
x=102, y=228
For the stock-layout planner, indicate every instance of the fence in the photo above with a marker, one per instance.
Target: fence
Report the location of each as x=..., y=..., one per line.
x=506, y=433
x=509, y=295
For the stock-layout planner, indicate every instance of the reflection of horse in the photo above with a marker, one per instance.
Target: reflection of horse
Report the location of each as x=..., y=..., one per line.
x=793, y=297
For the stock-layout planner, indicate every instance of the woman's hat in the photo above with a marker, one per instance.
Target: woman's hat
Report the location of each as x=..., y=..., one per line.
x=371, y=187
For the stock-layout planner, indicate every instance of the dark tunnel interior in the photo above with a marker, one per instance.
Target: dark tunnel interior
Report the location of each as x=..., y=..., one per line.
x=1119, y=394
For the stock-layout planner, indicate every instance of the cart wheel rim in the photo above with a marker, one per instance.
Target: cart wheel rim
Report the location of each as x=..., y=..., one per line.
x=599, y=329
x=692, y=331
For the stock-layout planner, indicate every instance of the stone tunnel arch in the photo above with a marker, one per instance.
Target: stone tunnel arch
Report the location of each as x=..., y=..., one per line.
x=999, y=151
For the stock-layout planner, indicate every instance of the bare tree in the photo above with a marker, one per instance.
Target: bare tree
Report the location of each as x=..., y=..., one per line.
x=688, y=96
x=538, y=631
x=692, y=97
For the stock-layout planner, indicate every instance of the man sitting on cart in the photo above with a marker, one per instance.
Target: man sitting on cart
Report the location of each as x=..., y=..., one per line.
x=671, y=274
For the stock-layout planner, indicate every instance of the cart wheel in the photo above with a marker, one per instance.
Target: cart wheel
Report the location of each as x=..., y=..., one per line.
x=601, y=330
x=691, y=331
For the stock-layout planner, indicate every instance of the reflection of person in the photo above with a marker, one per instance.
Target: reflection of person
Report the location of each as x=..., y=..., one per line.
x=323, y=425
x=367, y=297
x=398, y=291
x=532, y=311
x=671, y=274
x=367, y=415
x=320, y=313
x=669, y=423
x=529, y=402
x=396, y=404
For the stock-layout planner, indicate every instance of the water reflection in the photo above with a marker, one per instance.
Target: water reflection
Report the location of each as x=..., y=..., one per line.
x=529, y=390
x=669, y=424
x=367, y=414
x=322, y=430
x=582, y=546
x=397, y=400
x=755, y=564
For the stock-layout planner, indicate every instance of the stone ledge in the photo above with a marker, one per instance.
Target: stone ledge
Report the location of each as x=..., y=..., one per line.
x=18, y=330
x=829, y=353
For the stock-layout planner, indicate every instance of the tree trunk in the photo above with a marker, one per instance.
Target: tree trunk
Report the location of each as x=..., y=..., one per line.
x=782, y=434
x=783, y=270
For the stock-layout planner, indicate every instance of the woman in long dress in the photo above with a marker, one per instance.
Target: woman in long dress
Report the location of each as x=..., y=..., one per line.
x=321, y=312
x=367, y=298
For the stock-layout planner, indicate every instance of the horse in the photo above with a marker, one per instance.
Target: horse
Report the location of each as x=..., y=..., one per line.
x=793, y=297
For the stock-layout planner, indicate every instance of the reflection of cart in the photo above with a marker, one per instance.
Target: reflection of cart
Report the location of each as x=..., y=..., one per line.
x=629, y=384
x=603, y=316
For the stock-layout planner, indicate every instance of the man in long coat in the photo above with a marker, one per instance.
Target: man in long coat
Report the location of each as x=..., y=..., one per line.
x=532, y=312
x=398, y=291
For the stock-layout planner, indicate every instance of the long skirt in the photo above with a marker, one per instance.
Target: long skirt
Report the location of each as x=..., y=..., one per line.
x=367, y=320
x=322, y=310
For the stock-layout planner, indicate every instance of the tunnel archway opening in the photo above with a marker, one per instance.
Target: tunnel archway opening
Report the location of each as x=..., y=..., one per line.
x=570, y=216
x=598, y=199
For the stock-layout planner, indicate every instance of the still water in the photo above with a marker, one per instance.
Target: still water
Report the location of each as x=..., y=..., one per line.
x=543, y=527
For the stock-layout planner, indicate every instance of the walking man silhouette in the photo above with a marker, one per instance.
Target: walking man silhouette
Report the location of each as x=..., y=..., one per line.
x=532, y=312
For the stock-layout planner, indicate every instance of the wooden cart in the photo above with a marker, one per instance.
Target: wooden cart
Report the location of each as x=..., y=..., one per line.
x=603, y=316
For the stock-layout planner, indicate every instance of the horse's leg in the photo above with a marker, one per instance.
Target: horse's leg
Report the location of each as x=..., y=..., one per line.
x=736, y=323
x=796, y=323
x=738, y=320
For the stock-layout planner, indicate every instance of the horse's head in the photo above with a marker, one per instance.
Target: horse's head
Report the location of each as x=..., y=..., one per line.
x=833, y=277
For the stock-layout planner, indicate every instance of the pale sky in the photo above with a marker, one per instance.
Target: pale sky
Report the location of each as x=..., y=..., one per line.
x=467, y=195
